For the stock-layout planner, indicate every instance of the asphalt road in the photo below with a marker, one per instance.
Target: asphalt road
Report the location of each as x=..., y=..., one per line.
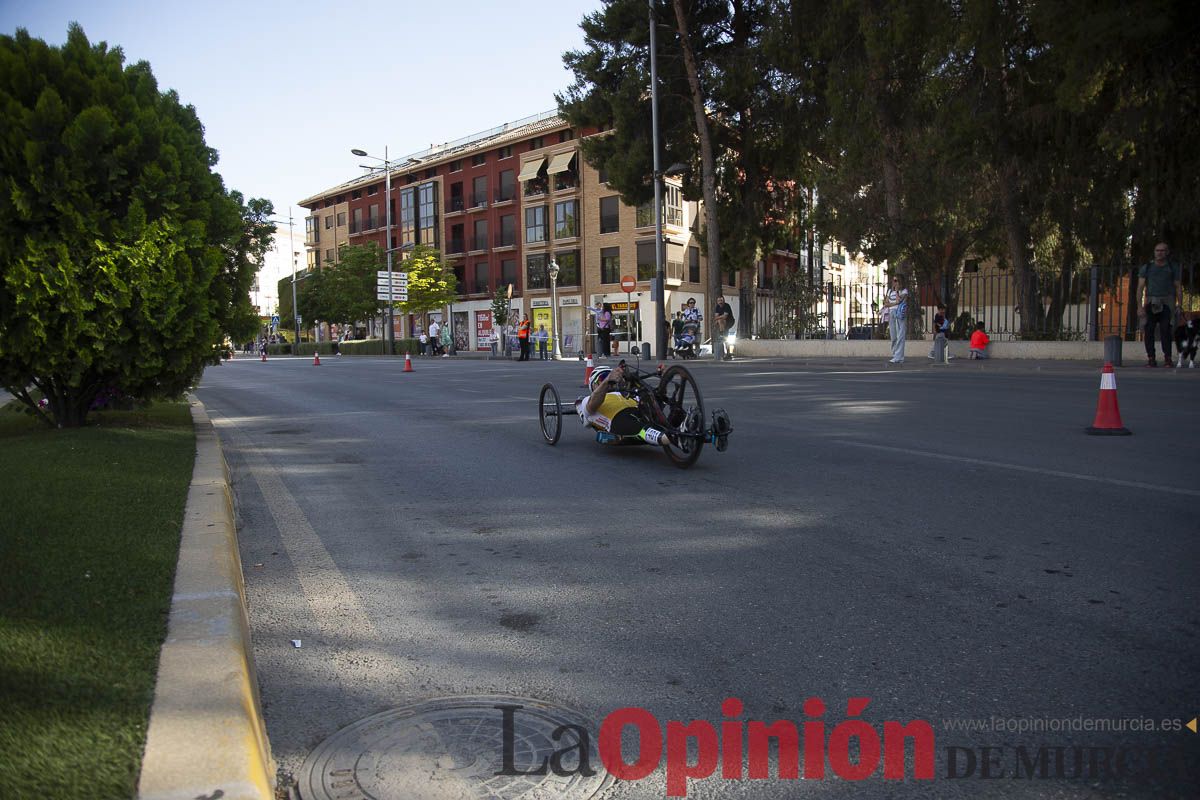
x=945, y=541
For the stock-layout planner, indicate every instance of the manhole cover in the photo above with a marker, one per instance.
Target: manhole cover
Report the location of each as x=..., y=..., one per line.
x=452, y=747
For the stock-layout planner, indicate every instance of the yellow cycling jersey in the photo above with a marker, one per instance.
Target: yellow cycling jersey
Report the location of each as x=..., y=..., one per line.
x=614, y=403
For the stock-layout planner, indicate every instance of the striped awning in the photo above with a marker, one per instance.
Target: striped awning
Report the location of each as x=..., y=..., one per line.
x=560, y=162
x=531, y=169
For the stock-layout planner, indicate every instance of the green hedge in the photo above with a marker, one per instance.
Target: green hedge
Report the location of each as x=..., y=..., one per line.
x=358, y=347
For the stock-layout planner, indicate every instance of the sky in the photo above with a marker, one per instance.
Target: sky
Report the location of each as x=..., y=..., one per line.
x=286, y=89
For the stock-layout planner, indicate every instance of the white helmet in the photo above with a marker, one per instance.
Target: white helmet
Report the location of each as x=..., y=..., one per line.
x=599, y=375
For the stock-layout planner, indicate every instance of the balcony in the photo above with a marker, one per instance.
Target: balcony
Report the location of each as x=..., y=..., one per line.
x=535, y=187
x=505, y=195
x=479, y=200
x=479, y=242
x=506, y=239
x=481, y=287
x=566, y=180
x=456, y=205
x=455, y=246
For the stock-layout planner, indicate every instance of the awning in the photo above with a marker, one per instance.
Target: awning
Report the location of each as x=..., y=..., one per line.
x=531, y=169
x=560, y=162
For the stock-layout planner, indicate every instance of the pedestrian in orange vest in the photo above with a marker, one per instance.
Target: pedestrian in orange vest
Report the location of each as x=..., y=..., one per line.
x=523, y=337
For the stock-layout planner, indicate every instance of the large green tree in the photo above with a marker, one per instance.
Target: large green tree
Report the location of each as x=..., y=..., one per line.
x=430, y=285
x=342, y=293
x=123, y=260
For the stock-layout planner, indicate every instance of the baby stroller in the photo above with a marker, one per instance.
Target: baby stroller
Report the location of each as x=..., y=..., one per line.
x=685, y=343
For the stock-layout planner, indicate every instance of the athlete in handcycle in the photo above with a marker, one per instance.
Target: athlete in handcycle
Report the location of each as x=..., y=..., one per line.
x=628, y=406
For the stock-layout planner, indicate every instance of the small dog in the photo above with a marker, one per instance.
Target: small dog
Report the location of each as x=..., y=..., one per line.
x=1187, y=337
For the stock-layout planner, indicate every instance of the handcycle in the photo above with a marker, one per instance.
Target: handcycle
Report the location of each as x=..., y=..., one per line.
x=668, y=399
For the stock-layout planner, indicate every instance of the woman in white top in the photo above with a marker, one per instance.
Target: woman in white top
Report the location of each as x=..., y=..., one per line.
x=895, y=305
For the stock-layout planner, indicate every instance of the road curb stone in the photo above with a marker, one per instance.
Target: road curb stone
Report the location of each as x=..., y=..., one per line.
x=206, y=736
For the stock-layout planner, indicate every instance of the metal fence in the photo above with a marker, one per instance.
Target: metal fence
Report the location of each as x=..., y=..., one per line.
x=1085, y=305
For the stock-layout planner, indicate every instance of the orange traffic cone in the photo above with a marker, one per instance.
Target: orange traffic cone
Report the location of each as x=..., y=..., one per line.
x=316, y=359
x=587, y=373
x=1108, y=415
x=408, y=363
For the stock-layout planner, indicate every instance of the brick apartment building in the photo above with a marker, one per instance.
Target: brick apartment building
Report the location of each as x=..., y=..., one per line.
x=500, y=205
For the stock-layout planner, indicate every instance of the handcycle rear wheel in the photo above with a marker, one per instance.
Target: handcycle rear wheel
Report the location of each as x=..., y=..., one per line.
x=681, y=403
x=550, y=413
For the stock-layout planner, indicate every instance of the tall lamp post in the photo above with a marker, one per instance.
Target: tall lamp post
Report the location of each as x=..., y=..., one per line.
x=292, y=250
x=387, y=207
x=554, y=307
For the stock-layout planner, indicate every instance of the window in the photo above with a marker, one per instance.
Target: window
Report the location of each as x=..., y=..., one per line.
x=535, y=272
x=480, y=240
x=565, y=215
x=673, y=206
x=646, y=268
x=460, y=286
x=329, y=256
x=312, y=230
x=456, y=166
x=536, y=143
x=356, y=194
x=427, y=214
x=566, y=136
x=312, y=259
x=568, y=267
x=329, y=222
x=971, y=265
x=327, y=203
x=481, y=278
x=508, y=272
x=508, y=231
x=341, y=219
x=356, y=222
x=408, y=215
x=372, y=190
x=535, y=224
x=457, y=244
x=603, y=175
x=479, y=192
x=610, y=265
x=504, y=152
x=456, y=197
x=373, y=217
x=431, y=172
x=644, y=216
x=610, y=214
x=507, y=186
x=694, y=264
x=479, y=159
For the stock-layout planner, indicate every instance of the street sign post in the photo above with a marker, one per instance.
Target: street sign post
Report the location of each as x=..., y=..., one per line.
x=628, y=284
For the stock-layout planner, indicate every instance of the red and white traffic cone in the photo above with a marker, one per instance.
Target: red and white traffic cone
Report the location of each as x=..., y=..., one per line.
x=408, y=363
x=1108, y=415
x=316, y=359
x=587, y=373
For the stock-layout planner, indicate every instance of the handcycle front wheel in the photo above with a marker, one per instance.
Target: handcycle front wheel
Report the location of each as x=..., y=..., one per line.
x=550, y=413
x=679, y=398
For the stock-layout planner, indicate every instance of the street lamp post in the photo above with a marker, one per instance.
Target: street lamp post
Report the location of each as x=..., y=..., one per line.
x=292, y=250
x=387, y=206
x=554, y=307
x=660, y=276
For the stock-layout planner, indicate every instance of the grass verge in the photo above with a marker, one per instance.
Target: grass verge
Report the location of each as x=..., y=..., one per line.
x=89, y=536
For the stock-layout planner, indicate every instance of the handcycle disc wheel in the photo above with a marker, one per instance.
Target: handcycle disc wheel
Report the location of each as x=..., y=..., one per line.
x=681, y=403
x=550, y=413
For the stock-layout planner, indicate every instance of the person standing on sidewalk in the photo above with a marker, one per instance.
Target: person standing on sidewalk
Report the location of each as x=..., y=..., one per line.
x=541, y=337
x=723, y=320
x=1158, y=288
x=604, y=318
x=523, y=337
x=435, y=342
x=895, y=305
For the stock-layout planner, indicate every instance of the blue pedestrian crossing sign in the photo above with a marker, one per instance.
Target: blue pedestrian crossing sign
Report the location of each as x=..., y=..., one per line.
x=274, y=320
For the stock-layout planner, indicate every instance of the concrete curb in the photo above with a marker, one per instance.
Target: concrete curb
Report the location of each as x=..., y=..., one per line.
x=206, y=736
x=1132, y=352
